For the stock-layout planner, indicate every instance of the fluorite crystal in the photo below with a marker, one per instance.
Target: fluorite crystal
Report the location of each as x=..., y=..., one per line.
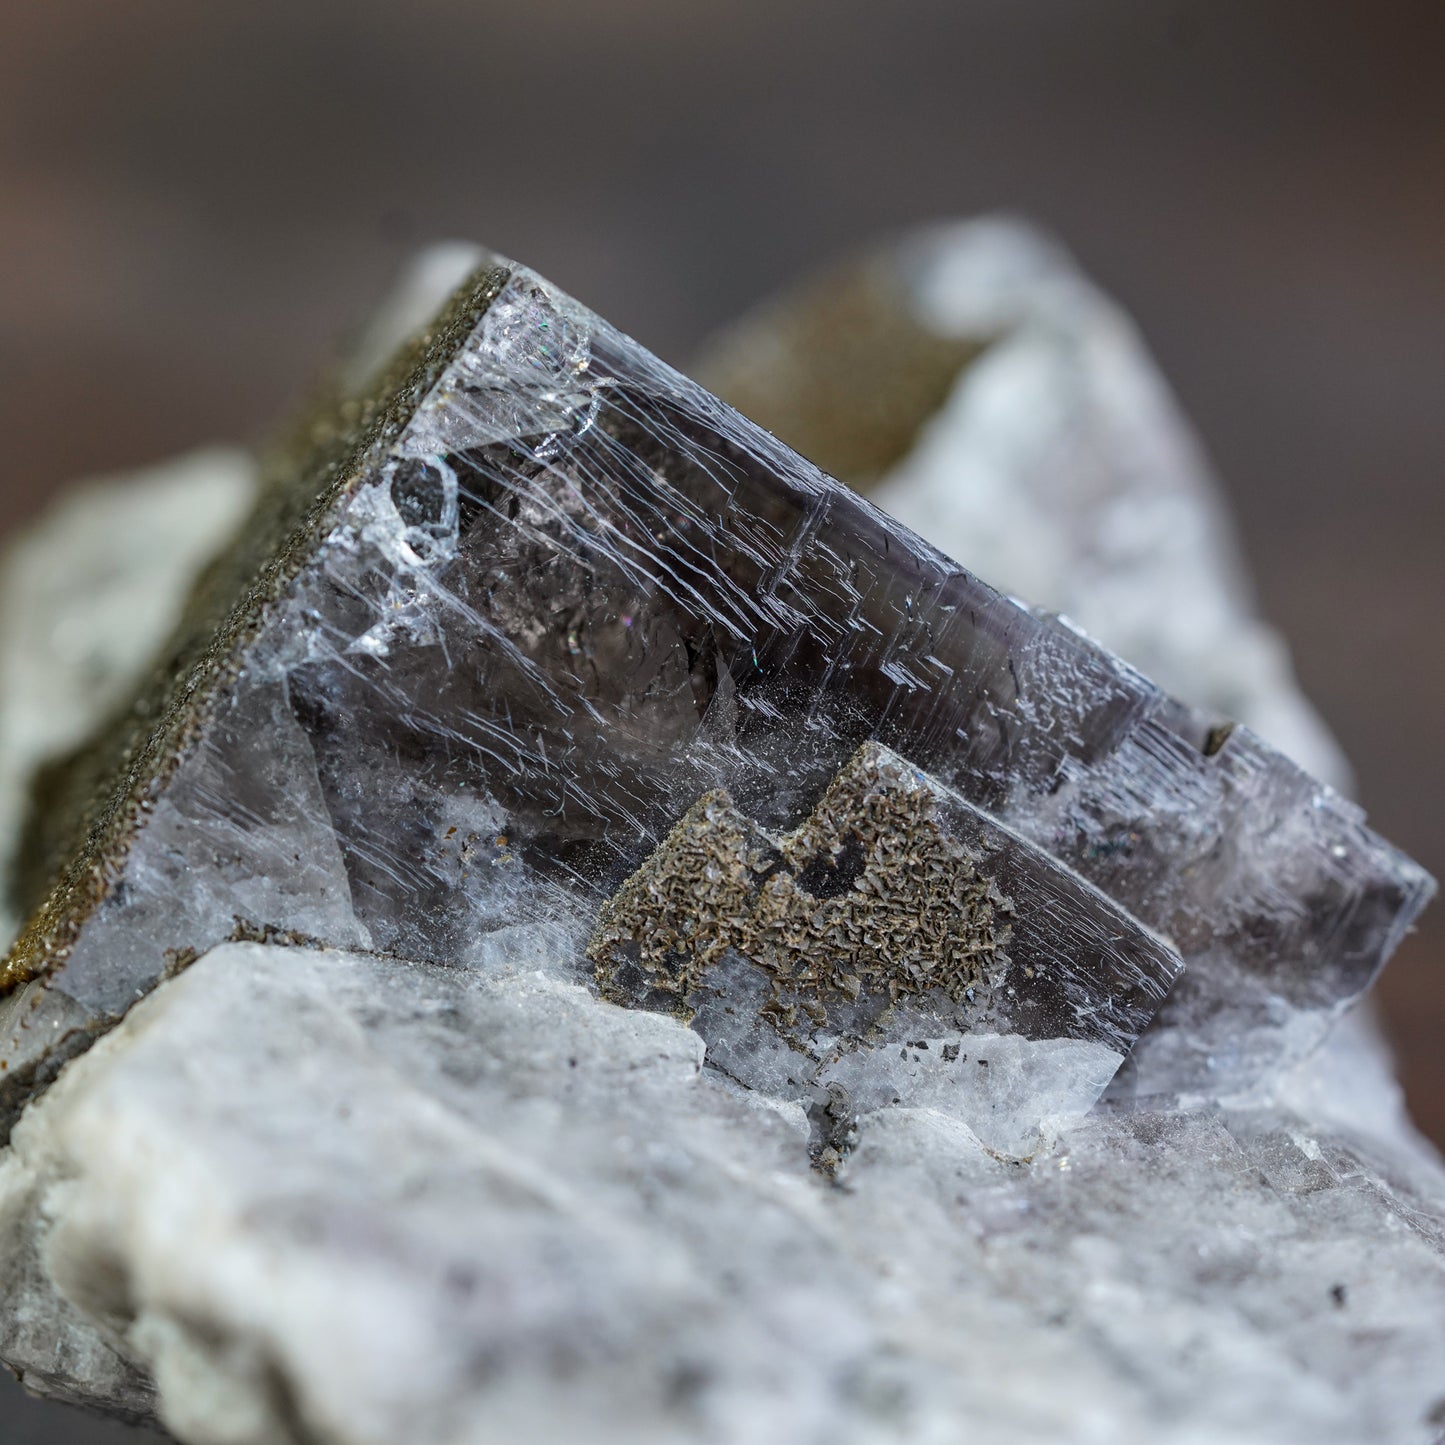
x=498, y=628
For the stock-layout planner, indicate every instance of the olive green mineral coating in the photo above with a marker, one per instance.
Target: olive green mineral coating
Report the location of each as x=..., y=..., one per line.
x=87, y=811
x=842, y=371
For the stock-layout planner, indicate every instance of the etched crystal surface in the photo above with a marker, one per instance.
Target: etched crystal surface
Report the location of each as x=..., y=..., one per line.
x=885, y=918
x=505, y=624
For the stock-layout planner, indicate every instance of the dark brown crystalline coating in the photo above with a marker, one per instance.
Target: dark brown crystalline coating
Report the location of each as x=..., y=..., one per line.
x=869, y=894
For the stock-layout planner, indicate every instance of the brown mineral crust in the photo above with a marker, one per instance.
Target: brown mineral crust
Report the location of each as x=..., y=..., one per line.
x=86, y=810
x=841, y=370
x=868, y=895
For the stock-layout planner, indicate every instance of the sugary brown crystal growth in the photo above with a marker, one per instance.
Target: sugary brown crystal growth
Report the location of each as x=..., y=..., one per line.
x=869, y=895
x=498, y=626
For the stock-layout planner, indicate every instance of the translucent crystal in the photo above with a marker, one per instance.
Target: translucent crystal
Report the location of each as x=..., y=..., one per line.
x=504, y=624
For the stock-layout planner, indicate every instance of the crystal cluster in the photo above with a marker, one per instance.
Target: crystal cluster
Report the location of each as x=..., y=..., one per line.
x=593, y=928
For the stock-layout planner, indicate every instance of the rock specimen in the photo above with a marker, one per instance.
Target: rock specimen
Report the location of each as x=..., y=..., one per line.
x=496, y=628
x=496, y=703
x=322, y=1199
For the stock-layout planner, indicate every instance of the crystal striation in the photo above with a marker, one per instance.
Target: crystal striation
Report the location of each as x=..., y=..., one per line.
x=975, y=385
x=498, y=627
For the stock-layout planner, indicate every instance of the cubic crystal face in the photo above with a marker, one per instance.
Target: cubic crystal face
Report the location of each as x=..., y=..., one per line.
x=544, y=596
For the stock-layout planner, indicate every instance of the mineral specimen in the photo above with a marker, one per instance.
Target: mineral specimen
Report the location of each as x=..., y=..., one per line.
x=497, y=628
x=318, y=1197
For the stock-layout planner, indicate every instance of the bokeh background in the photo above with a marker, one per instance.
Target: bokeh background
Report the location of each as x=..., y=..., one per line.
x=196, y=197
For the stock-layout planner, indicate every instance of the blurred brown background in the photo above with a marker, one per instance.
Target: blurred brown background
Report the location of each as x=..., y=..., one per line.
x=194, y=197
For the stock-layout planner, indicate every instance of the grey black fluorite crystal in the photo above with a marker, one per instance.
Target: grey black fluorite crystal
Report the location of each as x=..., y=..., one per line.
x=498, y=629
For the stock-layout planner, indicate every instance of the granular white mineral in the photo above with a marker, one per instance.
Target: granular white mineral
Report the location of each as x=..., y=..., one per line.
x=305, y=1195
x=322, y=1198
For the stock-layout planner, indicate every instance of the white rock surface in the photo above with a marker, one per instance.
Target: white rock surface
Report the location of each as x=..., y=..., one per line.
x=332, y=1198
